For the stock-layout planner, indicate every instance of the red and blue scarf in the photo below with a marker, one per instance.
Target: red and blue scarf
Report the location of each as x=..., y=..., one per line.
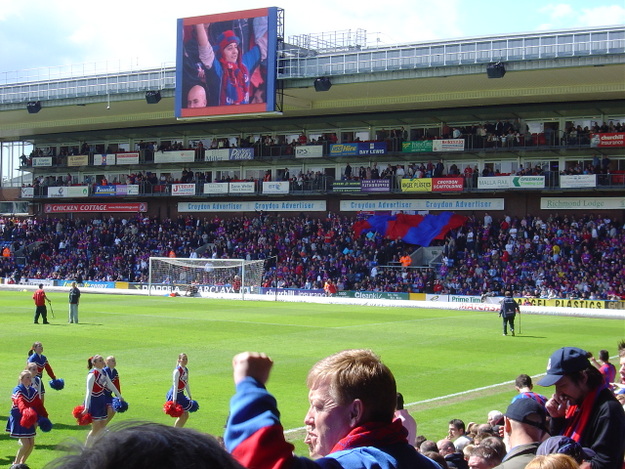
x=376, y=434
x=577, y=416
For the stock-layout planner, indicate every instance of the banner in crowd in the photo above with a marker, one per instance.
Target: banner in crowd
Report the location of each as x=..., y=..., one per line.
x=127, y=158
x=68, y=191
x=254, y=206
x=107, y=159
x=365, y=185
x=373, y=295
x=215, y=188
x=183, y=189
x=346, y=186
x=275, y=187
x=78, y=160
x=28, y=192
x=242, y=187
x=309, y=151
x=450, y=184
x=419, y=205
x=578, y=180
x=103, y=207
x=582, y=203
x=89, y=284
x=511, y=182
x=427, y=146
x=608, y=140
x=291, y=292
x=229, y=154
x=358, y=149
x=178, y=156
x=375, y=185
x=568, y=303
x=413, y=229
x=42, y=161
x=116, y=190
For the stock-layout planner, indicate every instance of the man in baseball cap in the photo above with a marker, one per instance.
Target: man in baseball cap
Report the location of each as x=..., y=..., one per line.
x=583, y=409
x=564, y=361
x=525, y=425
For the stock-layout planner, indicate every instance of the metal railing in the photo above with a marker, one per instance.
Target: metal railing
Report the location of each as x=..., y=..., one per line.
x=96, y=79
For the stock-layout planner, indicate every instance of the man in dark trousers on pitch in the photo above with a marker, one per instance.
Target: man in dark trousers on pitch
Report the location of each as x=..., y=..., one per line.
x=508, y=311
x=74, y=299
x=40, y=299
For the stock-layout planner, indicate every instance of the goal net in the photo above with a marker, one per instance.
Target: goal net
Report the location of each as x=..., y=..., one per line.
x=205, y=277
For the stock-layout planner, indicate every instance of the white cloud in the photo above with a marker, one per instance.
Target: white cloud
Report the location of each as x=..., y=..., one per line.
x=605, y=15
x=558, y=12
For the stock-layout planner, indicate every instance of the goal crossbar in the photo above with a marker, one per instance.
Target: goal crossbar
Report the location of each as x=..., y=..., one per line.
x=203, y=277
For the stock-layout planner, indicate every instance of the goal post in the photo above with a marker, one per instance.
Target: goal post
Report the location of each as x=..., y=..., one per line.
x=203, y=277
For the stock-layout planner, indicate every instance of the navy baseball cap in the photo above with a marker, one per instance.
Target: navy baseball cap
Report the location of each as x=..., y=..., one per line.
x=565, y=445
x=563, y=362
x=521, y=409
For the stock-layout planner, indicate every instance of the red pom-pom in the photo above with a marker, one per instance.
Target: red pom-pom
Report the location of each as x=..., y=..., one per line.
x=29, y=417
x=78, y=410
x=172, y=409
x=85, y=419
x=82, y=419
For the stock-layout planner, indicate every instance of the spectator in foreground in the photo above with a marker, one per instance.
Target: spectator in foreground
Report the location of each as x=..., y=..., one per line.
x=553, y=461
x=457, y=434
x=455, y=459
x=607, y=369
x=349, y=424
x=584, y=409
x=524, y=425
x=564, y=445
x=484, y=457
x=524, y=386
x=406, y=419
x=131, y=445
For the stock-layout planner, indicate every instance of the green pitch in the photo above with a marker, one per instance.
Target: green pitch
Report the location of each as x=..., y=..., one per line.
x=433, y=353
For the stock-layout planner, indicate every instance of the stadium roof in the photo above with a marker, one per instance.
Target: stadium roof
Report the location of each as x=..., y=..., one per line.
x=382, y=91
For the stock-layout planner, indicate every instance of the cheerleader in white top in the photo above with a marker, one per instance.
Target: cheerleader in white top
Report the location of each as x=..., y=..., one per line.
x=26, y=412
x=35, y=355
x=113, y=375
x=95, y=400
x=32, y=367
x=176, y=394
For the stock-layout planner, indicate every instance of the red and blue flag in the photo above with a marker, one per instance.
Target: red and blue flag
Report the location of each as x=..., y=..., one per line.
x=412, y=229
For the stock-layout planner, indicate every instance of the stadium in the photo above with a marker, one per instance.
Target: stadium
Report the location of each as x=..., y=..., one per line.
x=434, y=175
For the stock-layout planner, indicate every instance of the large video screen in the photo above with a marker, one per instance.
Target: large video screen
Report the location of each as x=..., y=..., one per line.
x=226, y=63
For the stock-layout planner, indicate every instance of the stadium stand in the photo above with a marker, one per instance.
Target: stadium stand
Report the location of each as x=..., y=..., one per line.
x=559, y=257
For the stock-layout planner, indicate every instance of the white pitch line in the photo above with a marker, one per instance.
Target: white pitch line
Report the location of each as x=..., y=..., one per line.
x=434, y=399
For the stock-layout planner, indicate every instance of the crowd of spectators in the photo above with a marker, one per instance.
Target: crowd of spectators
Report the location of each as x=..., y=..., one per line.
x=560, y=256
x=497, y=134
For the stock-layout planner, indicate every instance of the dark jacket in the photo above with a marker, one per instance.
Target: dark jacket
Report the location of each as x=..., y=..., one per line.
x=456, y=460
x=519, y=456
x=604, y=432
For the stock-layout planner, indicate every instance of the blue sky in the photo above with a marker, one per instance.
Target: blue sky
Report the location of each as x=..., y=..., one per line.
x=39, y=33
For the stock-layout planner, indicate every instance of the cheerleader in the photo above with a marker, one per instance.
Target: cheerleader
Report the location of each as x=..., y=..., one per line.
x=111, y=372
x=32, y=367
x=27, y=408
x=176, y=393
x=35, y=355
x=95, y=400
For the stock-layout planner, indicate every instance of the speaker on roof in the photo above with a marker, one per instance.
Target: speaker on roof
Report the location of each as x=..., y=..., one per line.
x=322, y=84
x=33, y=107
x=152, y=97
x=496, y=70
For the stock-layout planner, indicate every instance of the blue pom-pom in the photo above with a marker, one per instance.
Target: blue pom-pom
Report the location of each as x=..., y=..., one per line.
x=44, y=424
x=119, y=405
x=57, y=384
x=194, y=406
